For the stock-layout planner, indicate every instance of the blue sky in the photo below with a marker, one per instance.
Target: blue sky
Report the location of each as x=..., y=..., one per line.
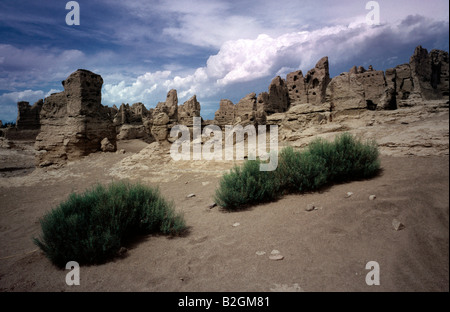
x=214, y=49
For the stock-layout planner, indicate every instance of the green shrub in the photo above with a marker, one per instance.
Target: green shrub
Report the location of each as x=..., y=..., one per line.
x=300, y=171
x=347, y=158
x=320, y=163
x=90, y=228
x=245, y=185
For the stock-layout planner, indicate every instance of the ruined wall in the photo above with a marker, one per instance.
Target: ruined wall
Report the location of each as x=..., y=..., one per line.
x=28, y=116
x=310, y=88
x=74, y=122
x=358, y=89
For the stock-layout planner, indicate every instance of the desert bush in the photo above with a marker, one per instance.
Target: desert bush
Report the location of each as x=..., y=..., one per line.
x=321, y=163
x=91, y=227
x=347, y=158
x=300, y=171
x=246, y=184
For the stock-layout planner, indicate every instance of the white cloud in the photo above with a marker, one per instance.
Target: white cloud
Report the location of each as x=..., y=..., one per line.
x=246, y=60
x=140, y=90
x=52, y=91
x=26, y=95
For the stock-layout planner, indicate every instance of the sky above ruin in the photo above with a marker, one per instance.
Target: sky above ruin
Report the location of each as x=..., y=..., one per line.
x=213, y=49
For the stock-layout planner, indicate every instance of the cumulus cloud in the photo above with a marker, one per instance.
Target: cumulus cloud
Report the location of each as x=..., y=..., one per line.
x=211, y=48
x=246, y=60
x=141, y=90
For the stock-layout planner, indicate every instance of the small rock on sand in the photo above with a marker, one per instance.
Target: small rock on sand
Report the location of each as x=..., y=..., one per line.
x=275, y=252
x=310, y=207
x=236, y=224
x=276, y=257
x=211, y=206
x=372, y=197
x=397, y=225
x=349, y=194
x=190, y=195
x=260, y=253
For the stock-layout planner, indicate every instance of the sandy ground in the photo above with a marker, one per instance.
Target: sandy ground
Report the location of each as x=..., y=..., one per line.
x=324, y=250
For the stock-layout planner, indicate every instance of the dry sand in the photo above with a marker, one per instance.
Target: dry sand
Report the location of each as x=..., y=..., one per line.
x=325, y=249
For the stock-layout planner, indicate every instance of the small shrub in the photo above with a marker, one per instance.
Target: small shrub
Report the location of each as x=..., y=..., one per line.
x=320, y=163
x=90, y=228
x=347, y=158
x=300, y=171
x=245, y=185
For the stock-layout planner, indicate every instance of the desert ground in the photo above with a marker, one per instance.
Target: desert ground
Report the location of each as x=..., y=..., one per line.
x=325, y=249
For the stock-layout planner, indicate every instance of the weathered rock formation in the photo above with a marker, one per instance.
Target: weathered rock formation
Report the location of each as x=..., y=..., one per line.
x=130, y=132
x=127, y=114
x=160, y=128
x=225, y=114
x=170, y=106
x=244, y=110
x=430, y=73
x=357, y=89
x=133, y=122
x=426, y=77
x=277, y=100
x=74, y=122
x=107, y=146
x=312, y=87
x=189, y=110
x=316, y=100
x=28, y=116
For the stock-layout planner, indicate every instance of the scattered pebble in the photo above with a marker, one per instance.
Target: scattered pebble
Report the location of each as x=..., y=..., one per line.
x=236, y=224
x=275, y=252
x=276, y=257
x=190, y=195
x=349, y=194
x=211, y=206
x=260, y=253
x=122, y=151
x=397, y=225
x=372, y=197
x=310, y=207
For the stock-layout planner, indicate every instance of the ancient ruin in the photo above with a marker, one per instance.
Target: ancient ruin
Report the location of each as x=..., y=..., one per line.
x=28, y=116
x=310, y=88
x=189, y=110
x=74, y=122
